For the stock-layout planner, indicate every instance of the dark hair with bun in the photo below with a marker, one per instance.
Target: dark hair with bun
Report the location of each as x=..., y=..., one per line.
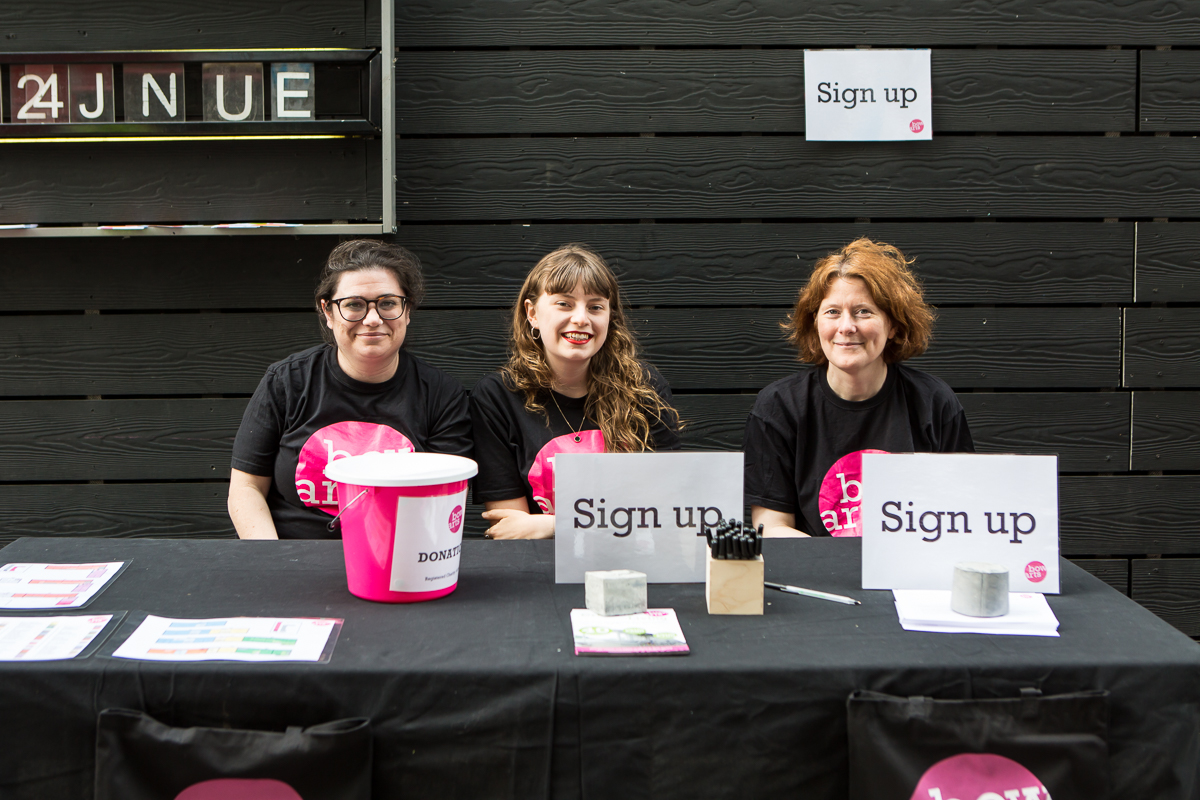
x=363, y=254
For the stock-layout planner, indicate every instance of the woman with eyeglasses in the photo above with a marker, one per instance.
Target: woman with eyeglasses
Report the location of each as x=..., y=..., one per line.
x=360, y=392
x=573, y=384
x=860, y=315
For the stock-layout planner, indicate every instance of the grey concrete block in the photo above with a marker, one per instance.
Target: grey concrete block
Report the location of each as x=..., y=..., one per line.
x=979, y=589
x=615, y=591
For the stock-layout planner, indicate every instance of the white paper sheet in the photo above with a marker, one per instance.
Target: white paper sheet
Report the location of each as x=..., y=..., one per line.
x=48, y=638
x=929, y=610
x=32, y=586
x=228, y=639
x=867, y=95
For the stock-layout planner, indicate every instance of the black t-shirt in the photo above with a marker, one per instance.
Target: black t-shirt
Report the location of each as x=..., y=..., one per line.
x=799, y=429
x=515, y=449
x=307, y=412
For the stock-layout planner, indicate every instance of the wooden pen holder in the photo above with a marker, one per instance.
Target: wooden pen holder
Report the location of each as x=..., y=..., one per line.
x=732, y=586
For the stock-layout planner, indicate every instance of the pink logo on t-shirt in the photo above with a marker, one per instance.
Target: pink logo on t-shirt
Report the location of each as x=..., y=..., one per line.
x=979, y=776
x=841, y=493
x=239, y=789
x=340, y=440
x=541, y=474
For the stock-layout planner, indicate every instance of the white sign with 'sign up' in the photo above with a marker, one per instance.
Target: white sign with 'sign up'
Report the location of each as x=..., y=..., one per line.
x=867, y=95
x=924, y=512
x=642, y=511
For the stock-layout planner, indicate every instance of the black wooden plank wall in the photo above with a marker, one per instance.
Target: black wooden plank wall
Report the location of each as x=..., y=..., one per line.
x=1055, y=218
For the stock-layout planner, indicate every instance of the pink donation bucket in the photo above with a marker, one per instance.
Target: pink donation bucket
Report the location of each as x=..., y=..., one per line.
x=402, y=518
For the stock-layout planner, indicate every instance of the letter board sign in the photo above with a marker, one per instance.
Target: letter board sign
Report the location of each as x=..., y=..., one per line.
x=233, y=92
x=92, y=93
x=641, y=511
x=38, y=92
x=924, y=512
x=867, y=95
x=154, y=92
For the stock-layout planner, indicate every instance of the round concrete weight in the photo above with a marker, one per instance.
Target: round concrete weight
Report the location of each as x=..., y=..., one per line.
x=979, y=589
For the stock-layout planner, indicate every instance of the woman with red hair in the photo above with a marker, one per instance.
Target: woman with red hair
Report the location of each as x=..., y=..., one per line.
x=860, y=315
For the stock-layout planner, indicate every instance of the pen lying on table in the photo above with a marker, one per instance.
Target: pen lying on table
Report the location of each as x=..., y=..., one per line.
x=837, y=598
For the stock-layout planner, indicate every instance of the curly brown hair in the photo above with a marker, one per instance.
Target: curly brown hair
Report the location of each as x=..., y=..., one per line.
x=892, y=286
x=620, y=398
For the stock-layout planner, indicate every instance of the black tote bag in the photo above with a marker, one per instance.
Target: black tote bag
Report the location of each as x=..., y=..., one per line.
x=139, y=758
x=1031, y=747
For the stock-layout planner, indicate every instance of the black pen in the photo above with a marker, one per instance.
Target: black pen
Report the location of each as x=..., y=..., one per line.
x=837, y=598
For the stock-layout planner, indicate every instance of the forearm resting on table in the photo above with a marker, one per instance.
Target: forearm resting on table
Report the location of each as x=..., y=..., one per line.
x=511, y=520
x=777, y=524
x=248, y=506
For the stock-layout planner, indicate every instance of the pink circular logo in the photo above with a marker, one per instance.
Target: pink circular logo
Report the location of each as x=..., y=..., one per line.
x=979, y=776
x=916, y=126
x=340, y=440
x=456, y=518
x=239, y=789
x=541, y=472
x=841, y=493
x=1035, y=571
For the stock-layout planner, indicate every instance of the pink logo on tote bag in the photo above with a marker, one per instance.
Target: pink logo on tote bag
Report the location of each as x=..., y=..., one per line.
x=239, y=789
x=979, y=776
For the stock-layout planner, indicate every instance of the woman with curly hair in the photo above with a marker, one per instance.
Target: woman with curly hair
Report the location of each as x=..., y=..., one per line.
x=859, y=316
x=573, y=384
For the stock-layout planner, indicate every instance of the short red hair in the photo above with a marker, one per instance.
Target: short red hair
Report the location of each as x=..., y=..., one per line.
x=892, y=285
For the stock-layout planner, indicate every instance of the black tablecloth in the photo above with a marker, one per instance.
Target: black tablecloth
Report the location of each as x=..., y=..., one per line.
x=478, y=694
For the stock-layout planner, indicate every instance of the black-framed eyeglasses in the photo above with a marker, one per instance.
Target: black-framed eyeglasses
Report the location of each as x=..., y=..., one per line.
x=387, y=306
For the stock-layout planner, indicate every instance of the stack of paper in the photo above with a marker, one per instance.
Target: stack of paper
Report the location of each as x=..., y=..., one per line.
x=929, y=610
x=654, y=632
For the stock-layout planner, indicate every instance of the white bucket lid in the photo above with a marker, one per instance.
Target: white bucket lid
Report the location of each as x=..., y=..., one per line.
x=401, y=469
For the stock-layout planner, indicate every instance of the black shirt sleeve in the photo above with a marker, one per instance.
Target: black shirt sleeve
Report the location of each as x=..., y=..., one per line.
x=769, y=473
x=257, y=442
x=497, y=437
x=449, y=415
x=939, y=423
x=957, y=434
x=664, y=430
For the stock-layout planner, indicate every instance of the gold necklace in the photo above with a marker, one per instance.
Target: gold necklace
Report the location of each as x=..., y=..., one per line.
x=574, y=430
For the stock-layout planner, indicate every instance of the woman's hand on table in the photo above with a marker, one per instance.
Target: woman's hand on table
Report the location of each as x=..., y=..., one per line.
x=776, y=524
x=511, y=520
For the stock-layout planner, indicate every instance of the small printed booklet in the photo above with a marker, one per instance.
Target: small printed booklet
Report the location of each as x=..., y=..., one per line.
x=654, y=632
x=33, y=586
x=231, y=639
x=929, y=610
x=48, y=638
